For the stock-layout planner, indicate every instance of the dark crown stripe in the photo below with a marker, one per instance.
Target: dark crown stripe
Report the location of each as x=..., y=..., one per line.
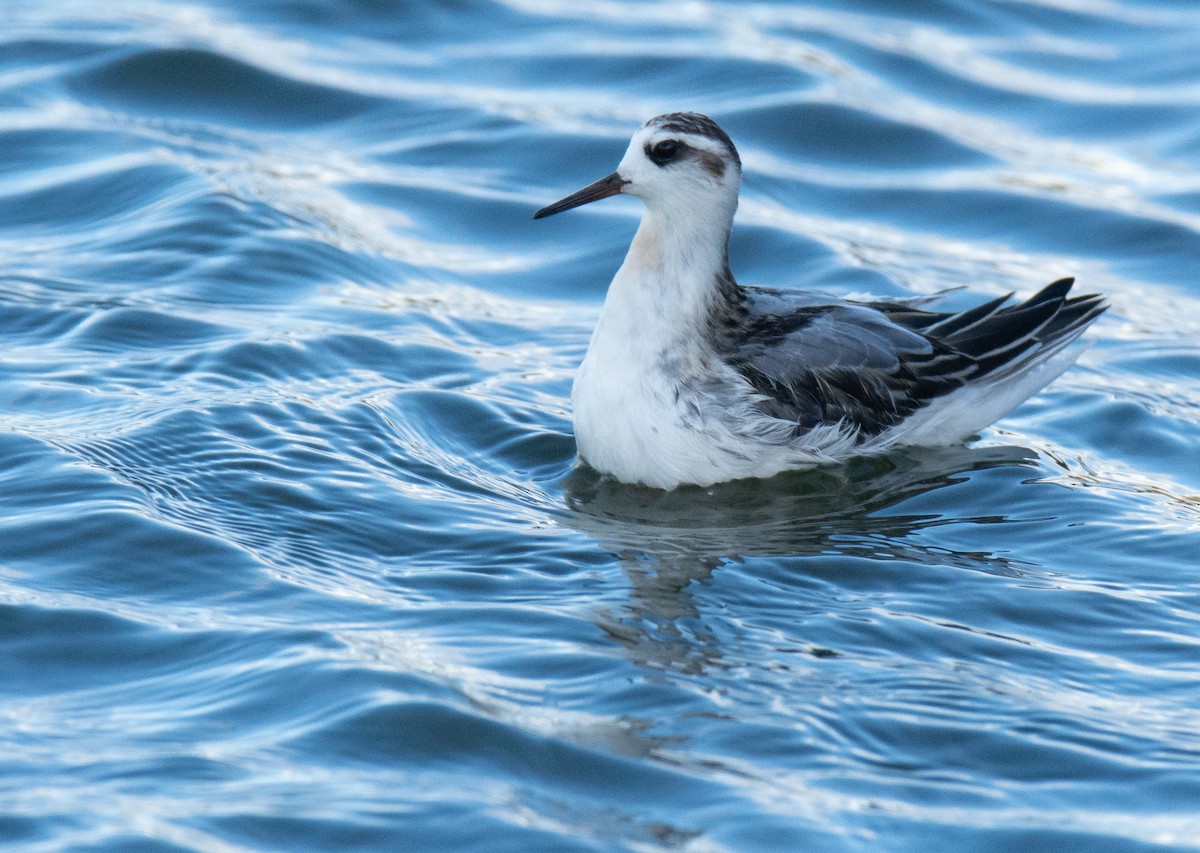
x=698, y=125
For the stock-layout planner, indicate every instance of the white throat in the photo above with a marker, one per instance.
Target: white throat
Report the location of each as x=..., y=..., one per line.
x=672, y=274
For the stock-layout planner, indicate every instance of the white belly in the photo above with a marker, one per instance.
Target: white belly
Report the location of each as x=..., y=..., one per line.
x=643, y=425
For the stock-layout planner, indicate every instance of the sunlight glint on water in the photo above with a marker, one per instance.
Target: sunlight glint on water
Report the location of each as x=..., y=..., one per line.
x=293, y=553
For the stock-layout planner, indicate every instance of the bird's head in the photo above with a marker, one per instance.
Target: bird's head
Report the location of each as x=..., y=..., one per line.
x=680, y=164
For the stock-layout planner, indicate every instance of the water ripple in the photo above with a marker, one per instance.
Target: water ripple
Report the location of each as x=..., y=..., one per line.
x=293, y=550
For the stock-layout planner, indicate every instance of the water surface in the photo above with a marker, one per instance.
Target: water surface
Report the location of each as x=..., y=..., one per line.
x=294, y=554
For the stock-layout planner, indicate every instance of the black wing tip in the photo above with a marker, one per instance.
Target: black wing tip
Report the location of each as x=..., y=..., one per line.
x=1055, y=291
x=1049, y=319
x=1060, y=288
x=1075, y=311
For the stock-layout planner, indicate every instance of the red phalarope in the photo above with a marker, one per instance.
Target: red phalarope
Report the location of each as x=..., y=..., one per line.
x=691, y=378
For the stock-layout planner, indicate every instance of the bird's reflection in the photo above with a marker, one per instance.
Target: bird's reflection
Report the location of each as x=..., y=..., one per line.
x=669, y=541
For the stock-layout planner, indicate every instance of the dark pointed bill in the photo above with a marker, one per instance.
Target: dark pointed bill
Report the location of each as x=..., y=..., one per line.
x=603, y=188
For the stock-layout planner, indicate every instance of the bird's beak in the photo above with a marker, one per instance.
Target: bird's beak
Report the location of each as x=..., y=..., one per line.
x=603, y=188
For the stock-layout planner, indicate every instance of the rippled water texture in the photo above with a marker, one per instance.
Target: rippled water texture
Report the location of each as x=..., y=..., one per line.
x=293, y=551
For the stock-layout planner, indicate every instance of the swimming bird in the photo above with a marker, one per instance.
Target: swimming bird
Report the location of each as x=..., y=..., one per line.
x=691, y=378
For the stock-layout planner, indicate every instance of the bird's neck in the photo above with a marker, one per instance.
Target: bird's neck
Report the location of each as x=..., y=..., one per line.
x=675, y=282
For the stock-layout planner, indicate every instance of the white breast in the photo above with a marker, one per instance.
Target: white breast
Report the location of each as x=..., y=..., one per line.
x=656, y=407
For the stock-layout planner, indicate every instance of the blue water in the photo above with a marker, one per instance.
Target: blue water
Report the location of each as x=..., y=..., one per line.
x=294, y=554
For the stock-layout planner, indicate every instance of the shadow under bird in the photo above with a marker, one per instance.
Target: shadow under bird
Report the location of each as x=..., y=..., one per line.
x=691, y=378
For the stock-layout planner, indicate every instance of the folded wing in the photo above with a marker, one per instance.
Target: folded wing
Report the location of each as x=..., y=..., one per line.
x=870, y=365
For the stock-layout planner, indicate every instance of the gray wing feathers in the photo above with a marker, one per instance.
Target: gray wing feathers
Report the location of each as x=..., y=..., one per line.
x=844, y=337
x=819, y=360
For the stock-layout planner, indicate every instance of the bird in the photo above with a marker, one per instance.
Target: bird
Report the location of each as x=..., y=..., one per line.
x=693, y=379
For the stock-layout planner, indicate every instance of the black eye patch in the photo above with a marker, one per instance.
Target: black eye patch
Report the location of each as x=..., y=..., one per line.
x=664, y=152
